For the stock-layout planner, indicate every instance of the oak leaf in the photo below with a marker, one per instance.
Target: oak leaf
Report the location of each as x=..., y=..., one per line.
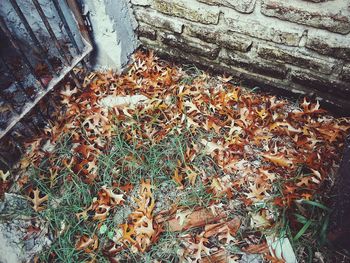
x=37, y=200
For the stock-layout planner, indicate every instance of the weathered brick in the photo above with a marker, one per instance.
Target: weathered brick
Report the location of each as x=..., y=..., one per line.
x=243, y=6
x=181, y=55
x=189, y=9
x=145, y=30
x=345, y=74
x=256, y=65
x=317, y=82
x=157, y=19
x=330, y=18
x=296, y=58
x=190, y=45
x=335, y=46
x=218, y=36
x=272, y=32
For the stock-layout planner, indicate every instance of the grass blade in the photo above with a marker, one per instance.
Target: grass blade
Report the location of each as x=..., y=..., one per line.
x=319, y=205
x=302, y=230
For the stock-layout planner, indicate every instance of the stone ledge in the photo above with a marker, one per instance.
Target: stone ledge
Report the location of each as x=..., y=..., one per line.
x=256, y=65
x=147, y=31
x=296, y=58
x=156, y=19
x=243, y=6
x=189, y=45
x=281, y=35
x=316, y=82
x=345, y=74
x=218, y=36
x=336, y=46
x=332, y=20
x=190, y=10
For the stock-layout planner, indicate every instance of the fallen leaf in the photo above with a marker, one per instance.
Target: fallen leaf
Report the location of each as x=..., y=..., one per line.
x=36, y=200
x=4, y=176
x=86, y=243
x=279, y=160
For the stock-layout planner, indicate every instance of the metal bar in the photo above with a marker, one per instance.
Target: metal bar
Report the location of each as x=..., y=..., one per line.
x=66, y=26
x=32, y=35
x=13, y=41
x=57, y=44
x=15, y=142
x=4, y=161
x=82, y=27
x=13, y=111
x=17, y=83
x=56, y=79
x=52, y=84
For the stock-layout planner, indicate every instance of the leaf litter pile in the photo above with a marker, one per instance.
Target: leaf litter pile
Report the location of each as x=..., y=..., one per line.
x=165, y=164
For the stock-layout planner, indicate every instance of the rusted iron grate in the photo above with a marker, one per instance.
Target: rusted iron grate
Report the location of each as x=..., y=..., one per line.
x=41, y=42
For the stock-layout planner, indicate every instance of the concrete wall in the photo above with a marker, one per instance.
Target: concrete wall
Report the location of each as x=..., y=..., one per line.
x=113, y=27
x=301, y=46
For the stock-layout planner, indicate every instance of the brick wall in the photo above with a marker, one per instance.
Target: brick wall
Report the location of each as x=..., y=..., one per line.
x=299, y=46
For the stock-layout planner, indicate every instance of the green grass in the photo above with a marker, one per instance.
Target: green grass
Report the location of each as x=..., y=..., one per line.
x=165, y=250
x=123, y=162
x=196, y=196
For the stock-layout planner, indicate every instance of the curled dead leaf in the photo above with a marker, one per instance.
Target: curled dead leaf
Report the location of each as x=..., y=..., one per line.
x=86, y=243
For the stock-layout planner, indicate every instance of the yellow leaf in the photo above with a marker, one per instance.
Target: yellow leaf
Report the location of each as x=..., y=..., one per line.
x=262, y=114
x=191, y=175
x=3, y=175
x=178, y=178
x=278, y=160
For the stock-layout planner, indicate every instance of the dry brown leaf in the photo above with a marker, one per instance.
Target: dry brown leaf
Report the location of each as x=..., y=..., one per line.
x=87, y=243
x=224, y=230
x=141, y=231
x=36, y=200
x=211, y=147
x=256, y=249
x=221, y=256
x=191, y=219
